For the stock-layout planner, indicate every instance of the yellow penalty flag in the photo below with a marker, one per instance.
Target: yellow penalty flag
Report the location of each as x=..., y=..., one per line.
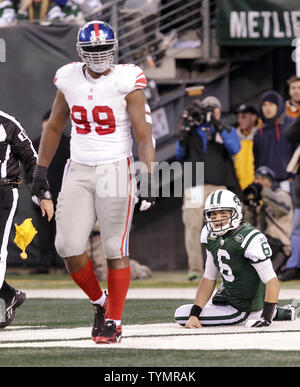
x=24, y=235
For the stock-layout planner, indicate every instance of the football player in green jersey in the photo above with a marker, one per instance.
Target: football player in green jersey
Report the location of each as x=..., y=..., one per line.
x=241, y=254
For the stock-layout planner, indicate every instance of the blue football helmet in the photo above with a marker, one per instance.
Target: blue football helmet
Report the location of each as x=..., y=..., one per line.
x=96, y=45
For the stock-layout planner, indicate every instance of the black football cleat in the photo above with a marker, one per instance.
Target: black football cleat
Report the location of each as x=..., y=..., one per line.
x=100, y=315
x=11, y=306
x=111, y=333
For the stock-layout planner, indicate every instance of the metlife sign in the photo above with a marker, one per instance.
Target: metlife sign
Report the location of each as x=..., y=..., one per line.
x=258, y=22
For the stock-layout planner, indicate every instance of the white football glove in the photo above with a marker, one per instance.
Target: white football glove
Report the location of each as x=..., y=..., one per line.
x=147, y=201
x=146, y=204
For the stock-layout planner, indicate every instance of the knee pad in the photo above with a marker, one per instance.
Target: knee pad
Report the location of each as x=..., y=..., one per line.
x=68, y=247
x=112, y=247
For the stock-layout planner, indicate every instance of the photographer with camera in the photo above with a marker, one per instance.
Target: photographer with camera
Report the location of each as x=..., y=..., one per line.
x=203, y=138
x=270, y=209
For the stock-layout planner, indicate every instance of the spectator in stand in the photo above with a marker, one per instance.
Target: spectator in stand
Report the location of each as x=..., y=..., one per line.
x=292, y=271
x=270, y=147
x=47, y=230
x=66, y=10
x=205, y=140
x=244, y=160
x=7, y=13
x=33, y=9
x=91, y=9
x=292, y=105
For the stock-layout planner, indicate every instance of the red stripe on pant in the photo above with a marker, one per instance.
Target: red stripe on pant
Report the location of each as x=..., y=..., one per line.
x=128, y=209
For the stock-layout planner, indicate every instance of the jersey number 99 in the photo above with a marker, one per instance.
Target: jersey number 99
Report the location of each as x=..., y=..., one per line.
x=102, y=115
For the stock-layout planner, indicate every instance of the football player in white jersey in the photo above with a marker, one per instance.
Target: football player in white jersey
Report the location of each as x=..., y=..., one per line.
x=103, y=100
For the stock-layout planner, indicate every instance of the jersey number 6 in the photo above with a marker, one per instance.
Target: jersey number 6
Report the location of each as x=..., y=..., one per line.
x=224, y=268
x=102, y=115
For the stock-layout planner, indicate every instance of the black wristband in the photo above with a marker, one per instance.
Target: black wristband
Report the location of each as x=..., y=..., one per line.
x=40, y=172
x=196, y=310
x=268, y=311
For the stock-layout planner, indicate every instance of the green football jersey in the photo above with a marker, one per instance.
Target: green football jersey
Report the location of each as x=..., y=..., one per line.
x=234, y=254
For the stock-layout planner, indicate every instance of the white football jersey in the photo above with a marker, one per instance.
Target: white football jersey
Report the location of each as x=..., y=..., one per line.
x=101, y=129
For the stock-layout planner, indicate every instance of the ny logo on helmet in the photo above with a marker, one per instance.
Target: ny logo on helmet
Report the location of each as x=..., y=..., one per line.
x=98, y=38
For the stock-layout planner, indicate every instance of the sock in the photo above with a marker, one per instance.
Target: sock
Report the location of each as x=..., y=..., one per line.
x=118, y=281
x=101, y=300
x=118, y=322
x=86, y=279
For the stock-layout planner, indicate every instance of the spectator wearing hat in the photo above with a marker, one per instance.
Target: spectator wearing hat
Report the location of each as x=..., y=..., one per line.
x=270, y=146
x=292, y=105
x=270, y=209
x=244, y=160
x=204, y=140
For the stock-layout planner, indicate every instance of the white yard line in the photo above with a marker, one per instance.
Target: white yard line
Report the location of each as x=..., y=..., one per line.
x=143, y=293
x=280, y=336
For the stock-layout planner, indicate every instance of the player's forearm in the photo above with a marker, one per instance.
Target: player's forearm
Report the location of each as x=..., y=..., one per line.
x=272, y=290
x=204, y=292
x=147, y=153
x=48, y=146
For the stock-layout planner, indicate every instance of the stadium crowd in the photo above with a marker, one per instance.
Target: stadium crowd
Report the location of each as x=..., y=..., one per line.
x=13, y=11
x=257, y=158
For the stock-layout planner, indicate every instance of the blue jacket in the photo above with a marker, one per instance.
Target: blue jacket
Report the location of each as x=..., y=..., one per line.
x=230, y=139
x=270, y=146
x=215, y=150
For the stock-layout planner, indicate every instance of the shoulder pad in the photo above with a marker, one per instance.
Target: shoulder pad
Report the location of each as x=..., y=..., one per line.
x=130, y=78
x=63, y=72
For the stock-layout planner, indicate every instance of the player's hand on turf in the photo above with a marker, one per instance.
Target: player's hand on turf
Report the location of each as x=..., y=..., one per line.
x=193, y=322
x=259, y=323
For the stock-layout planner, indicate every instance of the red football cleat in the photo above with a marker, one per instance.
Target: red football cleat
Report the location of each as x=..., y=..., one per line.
x=111, y=333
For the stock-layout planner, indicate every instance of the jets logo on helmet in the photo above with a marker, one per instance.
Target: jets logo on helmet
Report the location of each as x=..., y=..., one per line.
x=223, y=211
x=96, y=45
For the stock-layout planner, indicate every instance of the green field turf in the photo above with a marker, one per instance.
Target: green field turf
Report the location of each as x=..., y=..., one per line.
x=63, y=313
x=73, y=357
x=174, y=279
